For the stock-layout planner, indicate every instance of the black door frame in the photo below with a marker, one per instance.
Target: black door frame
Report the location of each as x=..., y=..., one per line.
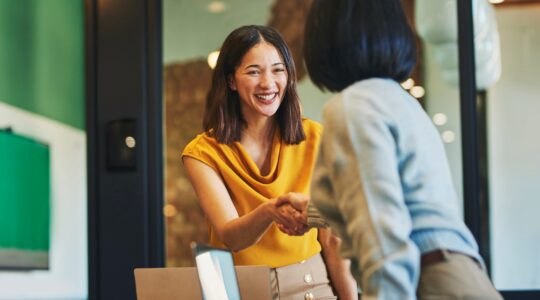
x=123, y=82
x=470, y=134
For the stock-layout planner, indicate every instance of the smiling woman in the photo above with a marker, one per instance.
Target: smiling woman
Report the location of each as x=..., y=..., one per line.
x=190, y=34
x=249, y=155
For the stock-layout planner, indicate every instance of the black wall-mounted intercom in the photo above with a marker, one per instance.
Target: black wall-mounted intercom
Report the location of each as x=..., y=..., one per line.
x=121, y=145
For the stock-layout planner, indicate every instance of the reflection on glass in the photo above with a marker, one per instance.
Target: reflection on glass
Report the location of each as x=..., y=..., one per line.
x=417, y=92
x=448, y=136
x=436, y=25
x=407, y=84
x=440, y=119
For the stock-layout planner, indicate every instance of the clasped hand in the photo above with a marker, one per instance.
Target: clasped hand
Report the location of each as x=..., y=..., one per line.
x=291, y=213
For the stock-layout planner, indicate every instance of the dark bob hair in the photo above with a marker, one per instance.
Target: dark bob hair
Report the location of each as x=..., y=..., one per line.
x=223, y=118
x=351, y=40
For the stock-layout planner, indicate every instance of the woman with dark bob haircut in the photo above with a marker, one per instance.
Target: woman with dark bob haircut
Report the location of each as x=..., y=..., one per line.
x=382, y=179
x=255, y=147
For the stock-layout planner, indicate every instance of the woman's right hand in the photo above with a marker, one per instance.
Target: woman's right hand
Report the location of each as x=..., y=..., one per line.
x=292, y=209
x=281, y=214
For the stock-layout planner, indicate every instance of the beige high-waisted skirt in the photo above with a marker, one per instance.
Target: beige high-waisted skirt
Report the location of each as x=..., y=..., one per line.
x=306, y=280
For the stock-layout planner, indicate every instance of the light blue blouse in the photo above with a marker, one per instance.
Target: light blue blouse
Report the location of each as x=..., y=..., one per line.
x=383, y=182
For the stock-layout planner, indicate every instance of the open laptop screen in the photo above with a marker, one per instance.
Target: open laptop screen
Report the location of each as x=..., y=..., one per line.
x=216, y=271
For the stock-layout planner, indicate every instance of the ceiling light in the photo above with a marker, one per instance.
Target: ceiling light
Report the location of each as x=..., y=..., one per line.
x=448, y=136
x=496, y=1
x=407, y=84
x=169, y=210
x=417, y=91
x=212, y=59
x=216, y=7
x=440, y=119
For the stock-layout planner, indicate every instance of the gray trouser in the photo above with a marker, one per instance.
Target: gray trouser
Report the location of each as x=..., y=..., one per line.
x=457, y=276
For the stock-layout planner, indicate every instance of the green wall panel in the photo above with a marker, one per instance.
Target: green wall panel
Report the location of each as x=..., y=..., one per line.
x=42, y=58
x=25, y=193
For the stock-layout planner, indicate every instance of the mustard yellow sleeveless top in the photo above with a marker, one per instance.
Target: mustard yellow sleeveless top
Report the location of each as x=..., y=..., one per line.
x=290, y=171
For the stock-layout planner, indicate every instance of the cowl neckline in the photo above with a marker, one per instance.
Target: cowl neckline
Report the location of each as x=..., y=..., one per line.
x=251, y=167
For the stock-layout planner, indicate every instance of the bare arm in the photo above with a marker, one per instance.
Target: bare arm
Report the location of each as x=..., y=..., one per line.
x=338, y=268
x=234, y=231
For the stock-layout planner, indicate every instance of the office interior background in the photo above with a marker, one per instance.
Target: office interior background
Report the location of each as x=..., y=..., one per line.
x=71, y=68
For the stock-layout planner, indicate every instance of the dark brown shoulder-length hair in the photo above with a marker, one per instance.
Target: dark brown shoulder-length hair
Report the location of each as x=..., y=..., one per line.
x=222, y=117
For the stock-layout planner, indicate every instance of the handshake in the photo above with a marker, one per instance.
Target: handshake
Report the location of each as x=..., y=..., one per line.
x=295, y=215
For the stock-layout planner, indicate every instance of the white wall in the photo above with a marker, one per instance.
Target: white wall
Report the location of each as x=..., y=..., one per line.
x=67, y=274
x=514, y=151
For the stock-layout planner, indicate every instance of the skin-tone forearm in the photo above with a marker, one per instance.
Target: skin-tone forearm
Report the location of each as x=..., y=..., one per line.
x=338, y=268
x=236, y=232
x=247, y=230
